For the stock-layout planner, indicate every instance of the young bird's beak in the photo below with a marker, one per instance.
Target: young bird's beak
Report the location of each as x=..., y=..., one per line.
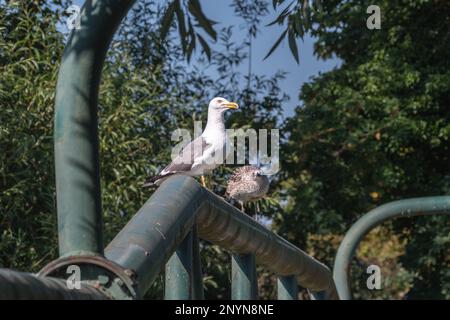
x=231, y=105
x=261, y=174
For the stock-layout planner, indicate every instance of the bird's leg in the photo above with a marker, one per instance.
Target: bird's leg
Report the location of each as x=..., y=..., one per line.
x=256, y=210
x=242, y=206
x=202, y=179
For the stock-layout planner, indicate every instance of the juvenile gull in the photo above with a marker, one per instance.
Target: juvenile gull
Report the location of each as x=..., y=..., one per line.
x=198, y=157
x=247, y=184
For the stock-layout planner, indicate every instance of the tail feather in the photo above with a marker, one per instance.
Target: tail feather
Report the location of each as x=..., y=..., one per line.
x=153, y=181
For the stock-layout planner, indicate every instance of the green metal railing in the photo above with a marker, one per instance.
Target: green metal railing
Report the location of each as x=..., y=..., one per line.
x=403, y=208
x=165, y=231
x=164, y=225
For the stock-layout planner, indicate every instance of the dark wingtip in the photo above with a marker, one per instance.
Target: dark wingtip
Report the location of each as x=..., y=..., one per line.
x=148, y=185
x=150, y=182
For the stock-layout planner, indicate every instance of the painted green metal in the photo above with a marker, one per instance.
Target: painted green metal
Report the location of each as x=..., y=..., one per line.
x=197, y=273
x=146, y=243
x=75, y=133
x=317, y=295
x=150, y=238
x=178, y=275
x=287, y=288
x=244, y=285
x=112, y=279
x=154, y=234
x=26, y=286
x=403, y=208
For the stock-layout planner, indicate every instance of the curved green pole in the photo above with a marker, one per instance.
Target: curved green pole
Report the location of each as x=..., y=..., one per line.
x=76, y=127
x=401, y=208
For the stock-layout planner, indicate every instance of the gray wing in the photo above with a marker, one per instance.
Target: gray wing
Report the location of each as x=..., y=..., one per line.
x=185, y=159
x=183, y=162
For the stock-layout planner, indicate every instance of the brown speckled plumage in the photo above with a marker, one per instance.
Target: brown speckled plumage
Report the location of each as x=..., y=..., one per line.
x=247, y=184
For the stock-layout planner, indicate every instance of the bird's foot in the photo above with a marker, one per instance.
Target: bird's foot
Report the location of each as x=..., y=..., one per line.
x=202, y=179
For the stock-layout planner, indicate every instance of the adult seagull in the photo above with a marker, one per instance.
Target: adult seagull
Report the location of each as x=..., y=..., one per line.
x=203, y=154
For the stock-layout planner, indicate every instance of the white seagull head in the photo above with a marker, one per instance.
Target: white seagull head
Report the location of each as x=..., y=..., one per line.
x=221, y=104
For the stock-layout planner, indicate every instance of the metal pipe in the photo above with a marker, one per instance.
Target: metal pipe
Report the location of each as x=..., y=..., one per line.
x=226, y=226
x=244, y=285
x=78, y=185
x=178, y=275
x=317, y=295
x=197, y=274
x=396, y=209
x=16, y=285
x=287, y=288
x=76, y=133
x=153, y=234
x=150, y=238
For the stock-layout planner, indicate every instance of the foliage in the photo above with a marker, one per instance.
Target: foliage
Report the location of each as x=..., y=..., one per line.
x=376, y=130
x=189, y=15
x=297, y=15
x=28, y=75
x=145, y=93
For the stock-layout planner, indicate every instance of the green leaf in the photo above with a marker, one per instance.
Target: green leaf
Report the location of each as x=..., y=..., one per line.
x=281, y=16
x=276, y=44
x=276, y=3
x=167, y=20
x=205, y=46
x=191, y=46
x=293, y=46
x=181, y=25
x=298, y=26
x=196, y=10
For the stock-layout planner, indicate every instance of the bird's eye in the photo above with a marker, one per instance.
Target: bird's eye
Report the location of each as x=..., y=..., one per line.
x=219, y=101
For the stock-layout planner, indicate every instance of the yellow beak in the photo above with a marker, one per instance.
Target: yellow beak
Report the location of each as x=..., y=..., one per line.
x=231, y=105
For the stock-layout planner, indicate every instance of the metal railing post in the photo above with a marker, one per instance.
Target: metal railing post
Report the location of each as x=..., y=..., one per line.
x=395, y=209
x=76, y=128
x=287, y=288
x=197, y=274
x=317, y=295
x=178, y=275
x=244, y=285
x=154, y=233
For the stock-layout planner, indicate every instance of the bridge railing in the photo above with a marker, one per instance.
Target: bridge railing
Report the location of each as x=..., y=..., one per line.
x=177, y=214
x=166, y=227
x=426, y=206
x=164, y=234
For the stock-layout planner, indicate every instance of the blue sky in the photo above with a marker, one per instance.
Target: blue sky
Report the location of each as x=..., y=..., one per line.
x=281, y=59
